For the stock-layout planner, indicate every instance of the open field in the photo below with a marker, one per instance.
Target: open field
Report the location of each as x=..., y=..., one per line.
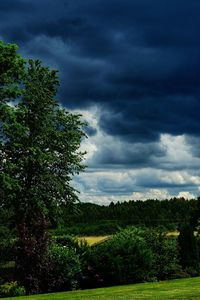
x=98, y=239
x=183, y=289
x=175, y=233
x=94, y=239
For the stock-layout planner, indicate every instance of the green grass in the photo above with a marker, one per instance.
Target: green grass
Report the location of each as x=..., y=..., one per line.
x=175, y=289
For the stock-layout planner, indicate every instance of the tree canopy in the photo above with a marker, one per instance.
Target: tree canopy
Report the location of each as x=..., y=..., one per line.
x=39, y=153
x=39, y=145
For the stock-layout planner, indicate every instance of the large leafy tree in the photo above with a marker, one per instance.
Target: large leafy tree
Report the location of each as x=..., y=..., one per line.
x=11, y=72
x=39, y=154
x=39, y=148
x=11, y=75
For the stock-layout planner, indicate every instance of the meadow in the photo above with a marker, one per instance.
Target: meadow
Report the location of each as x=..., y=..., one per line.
x=183, y=289
x=92, y=240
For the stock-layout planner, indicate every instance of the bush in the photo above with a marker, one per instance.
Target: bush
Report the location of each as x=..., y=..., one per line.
x=63, y=269
x=188, y=249
x=66, y=240
x=6, y=244
x=81, y=247
x=134, y=255
x=123, y=259
x=7, y=270
x=165, y=254
x=11, y=289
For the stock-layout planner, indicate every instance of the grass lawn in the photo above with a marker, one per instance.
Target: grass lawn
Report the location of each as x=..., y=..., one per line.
x=175, y=289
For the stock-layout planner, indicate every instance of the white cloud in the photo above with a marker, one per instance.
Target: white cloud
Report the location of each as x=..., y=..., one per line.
x=151, y=194
x=186, y=195
x=160, y=194
x=167, y=174
x=178, y=152
x=103, y=200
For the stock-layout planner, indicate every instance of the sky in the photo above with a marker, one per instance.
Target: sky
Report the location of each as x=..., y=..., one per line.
x=132, y=69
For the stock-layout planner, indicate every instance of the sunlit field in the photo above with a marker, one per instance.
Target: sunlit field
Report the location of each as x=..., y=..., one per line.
x=92, y=240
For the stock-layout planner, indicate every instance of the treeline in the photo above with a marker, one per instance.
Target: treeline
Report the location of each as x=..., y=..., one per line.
x=89, y=218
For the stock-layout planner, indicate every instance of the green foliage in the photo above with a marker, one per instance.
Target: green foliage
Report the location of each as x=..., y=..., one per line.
x=81, y=247
x=64, y=269
x=188, y=250
x=165, y=254
x=101, y=228
x=6, y=236
x=39, y=154
x=125, y=258
x=11, y=289
x=7, y=271
x=135, y=255
x=66, y=240
x=6, y=244
x=11, y=72
x=195, y=216
x=94, y=219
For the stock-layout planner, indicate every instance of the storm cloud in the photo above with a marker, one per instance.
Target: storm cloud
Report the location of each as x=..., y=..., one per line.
x=133, y=67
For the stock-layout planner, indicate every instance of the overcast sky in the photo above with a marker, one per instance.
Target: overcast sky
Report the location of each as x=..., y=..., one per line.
x=132, y=68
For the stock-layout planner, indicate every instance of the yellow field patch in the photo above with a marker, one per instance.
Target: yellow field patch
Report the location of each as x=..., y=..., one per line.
x=176, y=233
x=173, y=233
x=91, y=240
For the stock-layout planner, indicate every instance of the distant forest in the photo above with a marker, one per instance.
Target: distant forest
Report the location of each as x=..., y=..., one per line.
x=89, y=218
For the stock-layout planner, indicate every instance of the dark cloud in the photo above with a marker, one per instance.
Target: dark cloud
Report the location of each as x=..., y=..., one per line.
x=149, y=182
x=90, y=131
x=137, y=57
x=15, y=6
x=115, y=154
x=144, y=119
x=138, y=61
x=193, y=143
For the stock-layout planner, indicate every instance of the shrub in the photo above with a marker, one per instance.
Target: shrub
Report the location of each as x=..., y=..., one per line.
x=188, y=249
x=66, y=240
x=165, y=254
x=63, y=269
x=6, y=244
x=123, y=259
x=134, y=255
x=7, y=271
x=11, y=289
x=81, y=247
